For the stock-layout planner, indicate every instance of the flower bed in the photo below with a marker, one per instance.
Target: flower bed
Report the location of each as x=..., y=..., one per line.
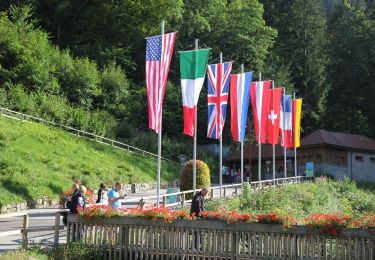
x=326, y=223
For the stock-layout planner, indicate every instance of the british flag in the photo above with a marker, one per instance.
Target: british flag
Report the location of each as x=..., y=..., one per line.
x=217, y=97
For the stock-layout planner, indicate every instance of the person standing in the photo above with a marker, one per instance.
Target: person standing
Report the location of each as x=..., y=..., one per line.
x=78, y=200
x=197, y=204
x=102, y=193
x=197, y=208
x=114, y=196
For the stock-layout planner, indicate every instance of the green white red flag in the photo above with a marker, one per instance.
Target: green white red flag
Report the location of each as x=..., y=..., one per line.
x=193, y=66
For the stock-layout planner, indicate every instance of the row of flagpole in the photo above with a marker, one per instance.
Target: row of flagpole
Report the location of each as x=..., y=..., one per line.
x=157, y=51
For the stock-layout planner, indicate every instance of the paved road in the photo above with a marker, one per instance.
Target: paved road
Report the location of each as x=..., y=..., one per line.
x=45, y=219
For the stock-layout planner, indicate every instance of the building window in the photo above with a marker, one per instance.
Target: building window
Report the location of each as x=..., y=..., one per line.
x=359, y=158
x=372, y=159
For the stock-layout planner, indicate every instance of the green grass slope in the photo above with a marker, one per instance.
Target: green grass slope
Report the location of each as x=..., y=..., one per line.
x=39, y=161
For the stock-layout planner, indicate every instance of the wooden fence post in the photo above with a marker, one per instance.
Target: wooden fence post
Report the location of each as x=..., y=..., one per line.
x=212, y=193
x=25, y=230
x=57, y=228
x=182, y=200
x=164, y=201
x=225, y=191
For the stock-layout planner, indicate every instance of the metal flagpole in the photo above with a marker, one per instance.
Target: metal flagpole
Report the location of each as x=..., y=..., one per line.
x=159, y=142
x=273, y=145
x=221, y=147
x=284, y=136
x=195, y=136
x=295, y=149
x=249, y=125
x=259, y=144
x=242, y=69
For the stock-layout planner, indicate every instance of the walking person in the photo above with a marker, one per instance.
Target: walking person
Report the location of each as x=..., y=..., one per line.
x=102, y=194
x=196, y=210
x=114, y=196
x=78, y=200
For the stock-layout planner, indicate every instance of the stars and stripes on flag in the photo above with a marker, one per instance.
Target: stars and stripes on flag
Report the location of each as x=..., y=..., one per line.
x=239, y=104
x=286, y=121
x=259, y=92
x=273, y=116
x=217, y=97
x=159, y=51
x=193, y=66
x=296, y=120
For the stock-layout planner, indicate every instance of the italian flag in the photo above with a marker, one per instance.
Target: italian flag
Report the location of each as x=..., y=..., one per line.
x=193, y=66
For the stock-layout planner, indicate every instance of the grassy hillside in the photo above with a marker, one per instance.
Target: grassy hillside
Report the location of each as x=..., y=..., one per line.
x=38, y=161
x=321, y=196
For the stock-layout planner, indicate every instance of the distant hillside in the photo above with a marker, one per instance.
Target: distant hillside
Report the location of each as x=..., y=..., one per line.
x=38, y=161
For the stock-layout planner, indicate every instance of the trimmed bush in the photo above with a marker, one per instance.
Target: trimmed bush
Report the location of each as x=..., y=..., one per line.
x=203, y=176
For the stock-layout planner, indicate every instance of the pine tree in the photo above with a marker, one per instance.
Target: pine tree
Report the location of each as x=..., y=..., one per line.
x=301, y=45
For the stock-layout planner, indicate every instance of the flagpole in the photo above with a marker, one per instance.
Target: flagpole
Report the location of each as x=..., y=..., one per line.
x=195, y=139
x=249, y=125
x=242, y=69
x=259, y=144
x=221, y=147
x=273, y=145
x=284, y=136
x=295, y=148
x=159, y=142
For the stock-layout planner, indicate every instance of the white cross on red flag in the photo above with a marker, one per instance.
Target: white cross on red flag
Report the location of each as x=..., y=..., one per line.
x=273, y=118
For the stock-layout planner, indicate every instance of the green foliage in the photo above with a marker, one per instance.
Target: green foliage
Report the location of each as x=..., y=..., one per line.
x=38, y=161
x=203, y=176
x=301, y=49
x=322, y=196
x=352, y=37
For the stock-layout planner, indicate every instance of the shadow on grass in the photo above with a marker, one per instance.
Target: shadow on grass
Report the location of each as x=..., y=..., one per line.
x=18, y=189
x=56, y=189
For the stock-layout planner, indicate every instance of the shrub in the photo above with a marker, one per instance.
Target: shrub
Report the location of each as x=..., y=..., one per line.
x=203, y=176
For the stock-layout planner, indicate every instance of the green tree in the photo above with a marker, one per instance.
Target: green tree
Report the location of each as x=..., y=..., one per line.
x=352, y=40
x=301, y=45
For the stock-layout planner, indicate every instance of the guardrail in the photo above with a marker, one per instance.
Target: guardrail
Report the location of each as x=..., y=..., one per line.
x=25, y=230
x=22, y=231
x=181, y=200
x=101, y=139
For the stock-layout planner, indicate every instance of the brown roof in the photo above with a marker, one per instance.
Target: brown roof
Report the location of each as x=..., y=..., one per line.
x=346, y=141
x=266, y=153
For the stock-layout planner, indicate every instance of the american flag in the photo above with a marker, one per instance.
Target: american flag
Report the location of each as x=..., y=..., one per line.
x=159, y=51
x=217, y=97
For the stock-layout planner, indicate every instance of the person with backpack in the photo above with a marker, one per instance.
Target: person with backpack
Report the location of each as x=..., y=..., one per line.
x=78, y=200
x=102, y=194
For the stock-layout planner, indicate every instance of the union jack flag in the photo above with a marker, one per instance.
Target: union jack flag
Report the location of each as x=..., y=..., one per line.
x=217, y=97
x=159, y=51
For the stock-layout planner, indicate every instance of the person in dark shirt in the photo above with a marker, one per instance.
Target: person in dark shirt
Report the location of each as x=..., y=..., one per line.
x=101, y=192
x=197, y=204
x=197, y=207
x=78, y=200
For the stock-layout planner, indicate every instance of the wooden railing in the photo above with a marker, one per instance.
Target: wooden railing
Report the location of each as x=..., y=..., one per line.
x=101, y=139
x=137, y=238
x=23, y=231
x=228, y=190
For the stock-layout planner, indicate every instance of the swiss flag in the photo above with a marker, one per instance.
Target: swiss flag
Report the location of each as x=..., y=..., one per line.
x=259, y=102
x=273, y=116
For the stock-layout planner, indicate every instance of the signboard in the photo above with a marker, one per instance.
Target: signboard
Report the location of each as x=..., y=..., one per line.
x=309, y=169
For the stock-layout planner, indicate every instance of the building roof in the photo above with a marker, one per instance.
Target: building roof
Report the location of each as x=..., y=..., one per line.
x=317, y=138
x=266, y=153
x=346, y=141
